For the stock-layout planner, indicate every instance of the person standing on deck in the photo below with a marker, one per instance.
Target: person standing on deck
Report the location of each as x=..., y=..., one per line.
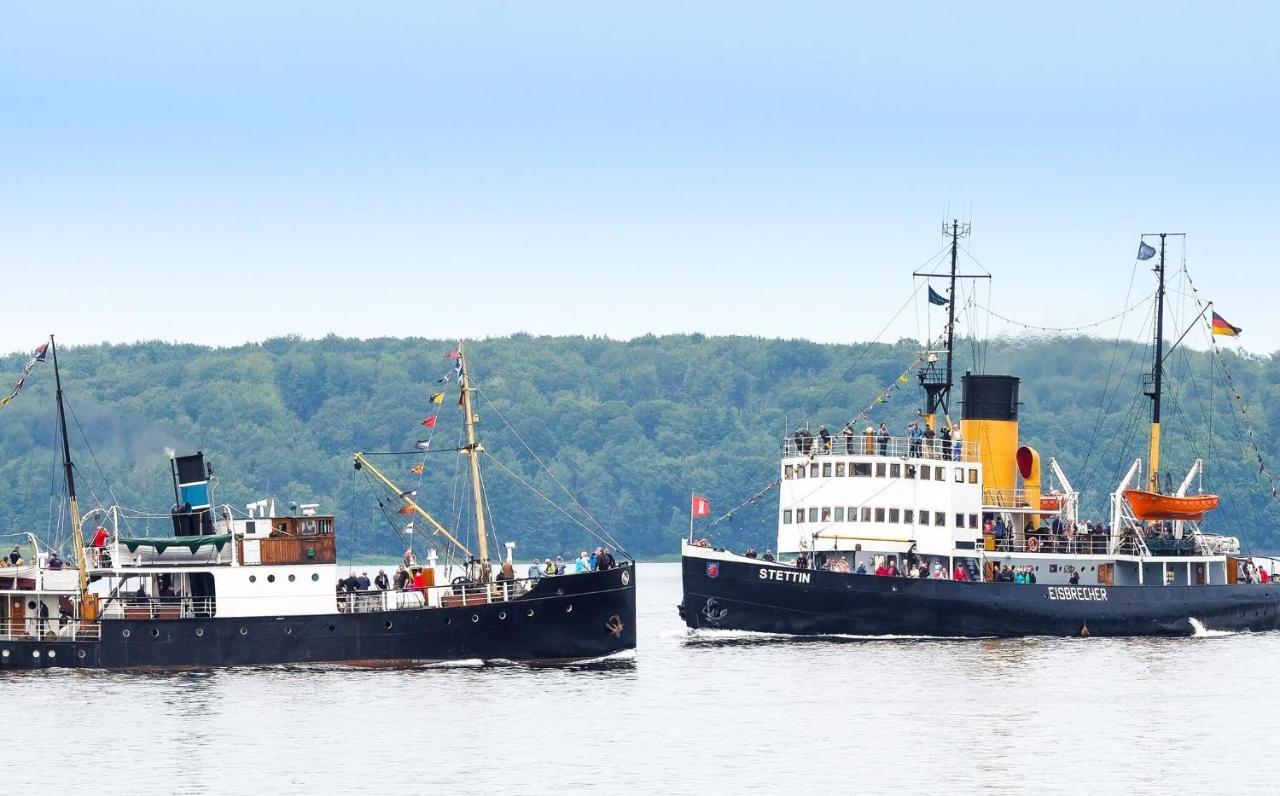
x=825, y=437
x=882, y=440
x=535, y=570
x=916, y=437
x=847, y=434
x=929, y=451
x=944, y=440
x=957, y=443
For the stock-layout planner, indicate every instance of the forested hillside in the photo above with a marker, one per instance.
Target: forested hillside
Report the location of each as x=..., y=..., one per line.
x=631, y=428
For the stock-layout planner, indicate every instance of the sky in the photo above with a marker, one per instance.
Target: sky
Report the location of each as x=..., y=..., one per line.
x=231, y=172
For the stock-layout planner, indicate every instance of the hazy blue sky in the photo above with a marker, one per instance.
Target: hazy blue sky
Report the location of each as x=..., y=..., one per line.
x=227, y=172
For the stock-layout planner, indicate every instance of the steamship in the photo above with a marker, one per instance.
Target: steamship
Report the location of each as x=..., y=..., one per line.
x=965, y=515
x=258, y=587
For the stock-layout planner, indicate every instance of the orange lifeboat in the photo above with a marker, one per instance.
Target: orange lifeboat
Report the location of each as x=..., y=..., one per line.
x=1154, y=506
x=1051, y=502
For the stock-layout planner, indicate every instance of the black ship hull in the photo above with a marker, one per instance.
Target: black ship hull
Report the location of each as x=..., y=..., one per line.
x=560, y=620
x=732, y=595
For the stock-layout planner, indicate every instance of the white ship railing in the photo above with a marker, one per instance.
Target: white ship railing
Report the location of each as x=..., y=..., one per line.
x=48, y=629
x=895, y=447
x=442, y=596
x=134, y=607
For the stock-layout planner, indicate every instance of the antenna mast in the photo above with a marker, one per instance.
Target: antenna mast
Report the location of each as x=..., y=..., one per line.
x=937, y=381
x=1155, y=379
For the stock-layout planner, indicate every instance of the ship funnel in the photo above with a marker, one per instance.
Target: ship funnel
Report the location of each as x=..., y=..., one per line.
x=990, y=418
x=1029, y=469
x=192, y=511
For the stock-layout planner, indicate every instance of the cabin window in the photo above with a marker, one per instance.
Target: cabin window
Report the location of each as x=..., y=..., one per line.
x=908, y=516
x=813, y=514
x=911, y=471
x=925, y=473
x=251, y=528
x=866, y=514
x=959, y=475
x=789, y=472
x=839, y=469
x=839, y=513
x=826, y=469
x=800, y=471
x=959, y=520
x=895, y=471
x=860, y=469
x=924, y=516
x=826, y=514
x=786, y=516
x=937, y=474
x=973, y=475
x=893, y=515
x=879, y=515
x=940, y=519
x=813, y=470
x=799, y=515
x=879, y=469
x=973, y=521
x=853, y=514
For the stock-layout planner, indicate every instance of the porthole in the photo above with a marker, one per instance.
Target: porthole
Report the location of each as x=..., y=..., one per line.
x=626, y=577
x=448, y=620
x=292, y=578
x=4, y=653
x=35, y=653
x=244, y=631
x=52, y=653
x=124, y=633
x=253, y=578
x=288, y=631
x=199, y=631
x=568, y=609
x=529, y=612
x=315, y=576
x=155, y=632
x=387, y=624
x=271, y=579
x=502, y=614
x=331, y=628
x=475, y=617
x=31, y=605
x=80, y=654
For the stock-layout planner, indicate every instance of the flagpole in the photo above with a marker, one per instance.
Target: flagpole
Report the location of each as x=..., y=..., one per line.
x=691, y=494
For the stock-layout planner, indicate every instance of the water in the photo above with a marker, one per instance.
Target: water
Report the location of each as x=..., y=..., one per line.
x=687, y=715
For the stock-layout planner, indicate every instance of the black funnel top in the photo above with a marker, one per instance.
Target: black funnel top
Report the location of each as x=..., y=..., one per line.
x=990, y=397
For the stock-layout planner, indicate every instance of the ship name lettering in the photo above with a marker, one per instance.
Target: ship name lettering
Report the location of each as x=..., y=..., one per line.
x=1086, y=593
x=786, y=575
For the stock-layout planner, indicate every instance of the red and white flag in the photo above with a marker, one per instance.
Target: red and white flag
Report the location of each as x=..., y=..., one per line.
x=701, y=506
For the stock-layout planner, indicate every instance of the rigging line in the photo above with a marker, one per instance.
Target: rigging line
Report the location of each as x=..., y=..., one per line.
x=541, y=464
x=412, y=452
x=1079, y=328
x=867, y=346
x=93, y=456
x=606, y=539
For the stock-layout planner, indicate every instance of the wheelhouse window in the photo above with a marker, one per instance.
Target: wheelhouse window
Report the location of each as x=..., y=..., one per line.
x=879, y=515
x=908, y=516
x=800, y=516
x=866, y=514
x=940, y=519
x=879, y=469
x=959, y=520
x=973, y=521
x=937, y=473
x=826, y=469
x=813, y=514
x=853, y=514
x=959, y=475
x=895, y=471
x=789, y=471
x=973, y=475
x=839, y=469
x=786, y=516
x=924, y=517
x=839, y=514
x=813, y=470
x=826, y=514
x=860, y=469
x=893, y=515
x=800, y=470
x=925, y=473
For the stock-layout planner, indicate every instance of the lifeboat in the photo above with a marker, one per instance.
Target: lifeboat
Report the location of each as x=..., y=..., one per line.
x=1051, y=502
x=1154, y=506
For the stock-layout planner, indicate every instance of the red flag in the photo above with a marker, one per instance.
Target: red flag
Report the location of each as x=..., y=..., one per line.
x=430, y=422
x=407, y=510
x=701, y=506
x=454, y=354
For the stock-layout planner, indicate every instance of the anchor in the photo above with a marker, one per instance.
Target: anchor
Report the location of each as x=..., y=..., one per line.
x=615, y=626
x=712, y=611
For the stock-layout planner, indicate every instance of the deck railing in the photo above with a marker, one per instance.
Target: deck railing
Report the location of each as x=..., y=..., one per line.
x=443, y=596
x=49, y=629
x=175, y=607
x=896, y=447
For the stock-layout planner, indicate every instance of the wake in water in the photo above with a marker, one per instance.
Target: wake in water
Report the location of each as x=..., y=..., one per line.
x=1203, y=632
x=714, y=636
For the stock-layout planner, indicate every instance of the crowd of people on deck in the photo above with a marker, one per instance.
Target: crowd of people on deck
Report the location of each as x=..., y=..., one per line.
x=1050, y=536
x=409, y=577
x=923, y=441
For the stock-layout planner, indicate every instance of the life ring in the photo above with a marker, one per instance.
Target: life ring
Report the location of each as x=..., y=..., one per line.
x=1033, y=544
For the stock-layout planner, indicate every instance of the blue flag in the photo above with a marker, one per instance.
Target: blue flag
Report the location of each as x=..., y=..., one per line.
x=936, y=298
x=1145, y=252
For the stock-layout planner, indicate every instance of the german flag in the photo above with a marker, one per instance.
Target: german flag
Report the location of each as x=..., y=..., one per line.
x=1220, y=326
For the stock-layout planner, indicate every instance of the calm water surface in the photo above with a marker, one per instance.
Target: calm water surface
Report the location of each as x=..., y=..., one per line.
x=688, y=714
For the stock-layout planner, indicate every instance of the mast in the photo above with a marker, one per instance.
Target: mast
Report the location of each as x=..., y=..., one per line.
x=69, y=474
x=1156, y=373
x=473, y=450
x=937, y=381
